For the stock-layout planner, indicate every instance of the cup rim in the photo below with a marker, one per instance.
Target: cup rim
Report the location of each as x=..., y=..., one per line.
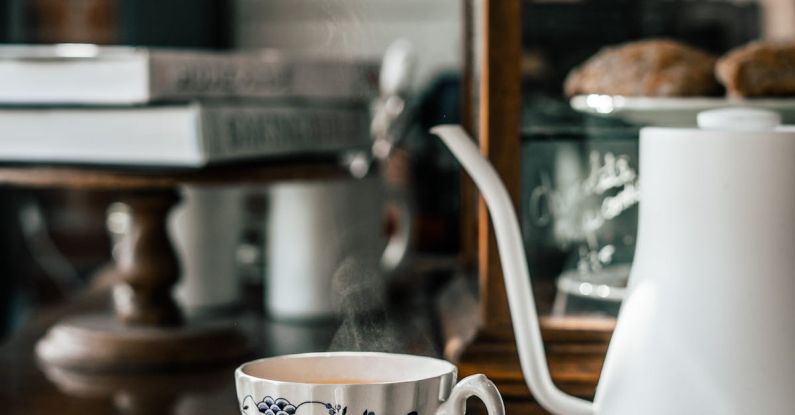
x=241, y=374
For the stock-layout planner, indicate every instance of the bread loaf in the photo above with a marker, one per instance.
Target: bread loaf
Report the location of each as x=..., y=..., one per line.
x=654, y=67
x=758, y=69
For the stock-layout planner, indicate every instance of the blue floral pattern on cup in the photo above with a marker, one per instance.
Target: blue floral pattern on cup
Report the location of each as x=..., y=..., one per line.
x=281, y=406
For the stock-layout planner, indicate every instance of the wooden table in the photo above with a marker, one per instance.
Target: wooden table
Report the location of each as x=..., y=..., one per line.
x=31, y=388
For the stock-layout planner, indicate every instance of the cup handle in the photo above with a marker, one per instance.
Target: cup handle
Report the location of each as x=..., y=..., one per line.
x=475, y=385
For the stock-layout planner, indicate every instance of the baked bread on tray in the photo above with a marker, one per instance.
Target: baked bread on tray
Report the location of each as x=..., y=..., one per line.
x=652, y=67
x=758, y=69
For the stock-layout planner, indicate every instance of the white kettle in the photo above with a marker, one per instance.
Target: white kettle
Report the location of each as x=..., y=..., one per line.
x=708, y=324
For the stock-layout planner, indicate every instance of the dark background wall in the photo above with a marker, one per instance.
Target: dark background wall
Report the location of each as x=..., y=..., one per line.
x=183, y=23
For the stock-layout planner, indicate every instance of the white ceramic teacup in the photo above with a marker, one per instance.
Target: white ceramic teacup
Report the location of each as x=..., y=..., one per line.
x=353, y=383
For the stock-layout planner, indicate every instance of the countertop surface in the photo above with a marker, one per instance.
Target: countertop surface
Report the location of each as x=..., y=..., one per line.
x=575, y=349
x=30, y=388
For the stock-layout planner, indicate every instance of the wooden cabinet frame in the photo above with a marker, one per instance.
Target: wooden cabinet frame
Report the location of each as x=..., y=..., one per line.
x=492, y=112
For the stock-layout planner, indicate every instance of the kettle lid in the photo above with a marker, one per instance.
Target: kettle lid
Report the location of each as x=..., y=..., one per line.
x=739, y=119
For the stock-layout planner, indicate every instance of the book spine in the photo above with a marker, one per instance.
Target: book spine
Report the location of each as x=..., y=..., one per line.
x=232, y=133
x=180, y=76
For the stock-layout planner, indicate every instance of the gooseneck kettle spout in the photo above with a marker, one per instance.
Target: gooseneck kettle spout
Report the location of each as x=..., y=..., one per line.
x=517, y=276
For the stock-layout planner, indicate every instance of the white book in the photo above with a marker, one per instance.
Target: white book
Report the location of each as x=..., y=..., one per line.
x=185, y=135
x=118, y=75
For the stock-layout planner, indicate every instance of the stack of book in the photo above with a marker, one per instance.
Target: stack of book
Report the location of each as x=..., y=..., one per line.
x=81, y=104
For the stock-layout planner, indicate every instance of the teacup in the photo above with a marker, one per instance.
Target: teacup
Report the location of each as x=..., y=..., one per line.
x=356, y=383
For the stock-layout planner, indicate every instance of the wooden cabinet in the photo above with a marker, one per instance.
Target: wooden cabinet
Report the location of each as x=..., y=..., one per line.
x=492, y=90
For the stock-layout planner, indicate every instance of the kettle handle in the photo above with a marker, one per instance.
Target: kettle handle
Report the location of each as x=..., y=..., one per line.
x=517, y=276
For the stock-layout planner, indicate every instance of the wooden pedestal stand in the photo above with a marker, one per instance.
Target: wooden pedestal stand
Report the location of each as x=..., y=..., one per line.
x=575, y=347
x=147, y=330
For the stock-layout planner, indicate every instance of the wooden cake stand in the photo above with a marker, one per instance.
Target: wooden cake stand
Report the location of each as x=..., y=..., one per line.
x=147, y=330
